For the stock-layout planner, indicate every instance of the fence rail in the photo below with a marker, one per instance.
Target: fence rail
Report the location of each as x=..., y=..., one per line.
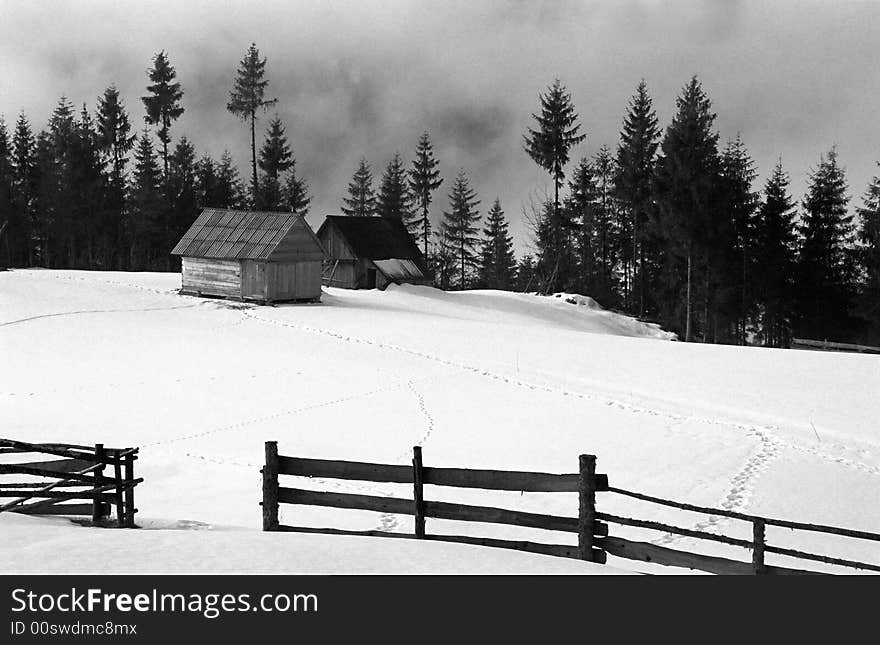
x=79, y=476
x=831, y=346
x=591, y=526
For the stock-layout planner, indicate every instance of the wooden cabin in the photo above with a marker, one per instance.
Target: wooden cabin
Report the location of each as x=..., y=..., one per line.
x=251, y=255
x=370, y=253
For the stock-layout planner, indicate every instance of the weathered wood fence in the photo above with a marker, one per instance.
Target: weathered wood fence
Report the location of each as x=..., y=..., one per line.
x=92, y=480
x=831, y=346
x=591, y=525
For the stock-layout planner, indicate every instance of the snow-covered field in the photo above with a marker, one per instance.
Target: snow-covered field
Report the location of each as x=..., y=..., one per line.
x=480, y=379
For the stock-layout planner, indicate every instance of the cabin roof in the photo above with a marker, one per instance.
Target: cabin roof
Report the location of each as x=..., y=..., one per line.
x=376, y=238
x=243, y=235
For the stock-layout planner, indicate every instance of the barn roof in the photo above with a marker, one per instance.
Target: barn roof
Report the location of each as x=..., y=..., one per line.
x=376, y=238
x=246, y=235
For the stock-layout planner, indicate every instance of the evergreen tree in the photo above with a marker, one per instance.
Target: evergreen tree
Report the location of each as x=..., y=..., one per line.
x=548, y=146
x=869, y=260
x=181, y=198
x=230, y=193
x=826, y=273
x=443, y=259
x=163, y=101
x=275, y=160
x=424, y=179
x=11, y=234
x=734, y=240
x=773, y=265
x=605, y=223
x=497, y=261
x=685, y=185
x=296, y=193
x=114, y=129
x=582, y=200
x=115, y=141
x=459, y=227
x=525, y=274
x=393, y=199
x=145, y=212
x=94, y=239
x=636, y=156
x=248, y=96
x=361, y=200
x=207, y=183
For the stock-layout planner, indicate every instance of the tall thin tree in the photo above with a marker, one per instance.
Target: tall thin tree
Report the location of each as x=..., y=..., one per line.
x=361, y=200
x=424, y=179
x=248, y=95
x=163, y=101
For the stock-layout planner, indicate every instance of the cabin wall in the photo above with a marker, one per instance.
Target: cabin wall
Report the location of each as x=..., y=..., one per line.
x=335, y=245
x=294, y=280
x=211, y=277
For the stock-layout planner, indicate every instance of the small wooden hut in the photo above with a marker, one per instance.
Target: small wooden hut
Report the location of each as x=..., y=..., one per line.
x=251, y=255
x=370, y=253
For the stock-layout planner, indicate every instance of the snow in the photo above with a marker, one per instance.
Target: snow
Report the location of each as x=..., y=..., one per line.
x=397, y=269
x=480, y=379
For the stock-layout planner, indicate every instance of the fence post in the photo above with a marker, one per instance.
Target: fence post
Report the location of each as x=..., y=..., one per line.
x=586, y=505
x=418, y=493
x=270, y=487
x=97, y=506
x=758, y=546
x=130, y=510
x=120, y=503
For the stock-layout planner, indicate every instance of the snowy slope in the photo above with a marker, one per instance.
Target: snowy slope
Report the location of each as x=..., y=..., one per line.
x=479, y=379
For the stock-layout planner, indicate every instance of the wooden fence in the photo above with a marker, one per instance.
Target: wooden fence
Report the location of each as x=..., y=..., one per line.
x=80, y=478
x=591, y=525
x=831, y=346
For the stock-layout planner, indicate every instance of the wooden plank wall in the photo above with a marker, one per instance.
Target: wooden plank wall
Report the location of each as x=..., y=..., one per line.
x=294, y=280
x=298, y=245
x=212, y=277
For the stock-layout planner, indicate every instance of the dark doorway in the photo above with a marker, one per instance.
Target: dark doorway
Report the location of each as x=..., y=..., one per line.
x=371, y=279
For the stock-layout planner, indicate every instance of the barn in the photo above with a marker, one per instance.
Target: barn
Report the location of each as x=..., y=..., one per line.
x=370, y=253
x=251, y=255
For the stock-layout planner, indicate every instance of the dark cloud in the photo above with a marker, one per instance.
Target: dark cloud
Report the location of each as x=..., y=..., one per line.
x=366, y=78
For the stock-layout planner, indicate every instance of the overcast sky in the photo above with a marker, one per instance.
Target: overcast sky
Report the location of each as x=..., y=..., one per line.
x=366, y=78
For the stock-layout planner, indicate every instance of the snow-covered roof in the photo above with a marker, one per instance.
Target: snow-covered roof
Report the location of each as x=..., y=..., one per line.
x=400, y=269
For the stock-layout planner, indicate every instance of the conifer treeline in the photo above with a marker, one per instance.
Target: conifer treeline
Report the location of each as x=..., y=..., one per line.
x=91, y=192
x=672, y=228
x=669, y=226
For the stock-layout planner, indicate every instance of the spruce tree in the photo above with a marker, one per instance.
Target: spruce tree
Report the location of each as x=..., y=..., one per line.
x=207, y=182
x=869, y=260
x=114, y=130
x=685, y=185
x=247, y=97
x=497, y=261
x=361, y=201
x=146, y=204
x=773, y=261
x=296, y=193
x=163, y=101
x=525, y=274
x=275, y=160
x=557, y=132
x=393, y=199
x=733, y=240
x=11, y=242
x=636, y=156
x=230, y=193
x=181, y=196
x=825, y=268
x=424, y=179
x=459, y=227
x=605, y=223
x=582, y=204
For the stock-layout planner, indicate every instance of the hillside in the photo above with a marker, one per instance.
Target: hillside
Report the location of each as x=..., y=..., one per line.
x=479, y=379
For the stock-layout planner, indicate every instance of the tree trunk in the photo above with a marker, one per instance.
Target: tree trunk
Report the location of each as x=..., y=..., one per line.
x=254, y=158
